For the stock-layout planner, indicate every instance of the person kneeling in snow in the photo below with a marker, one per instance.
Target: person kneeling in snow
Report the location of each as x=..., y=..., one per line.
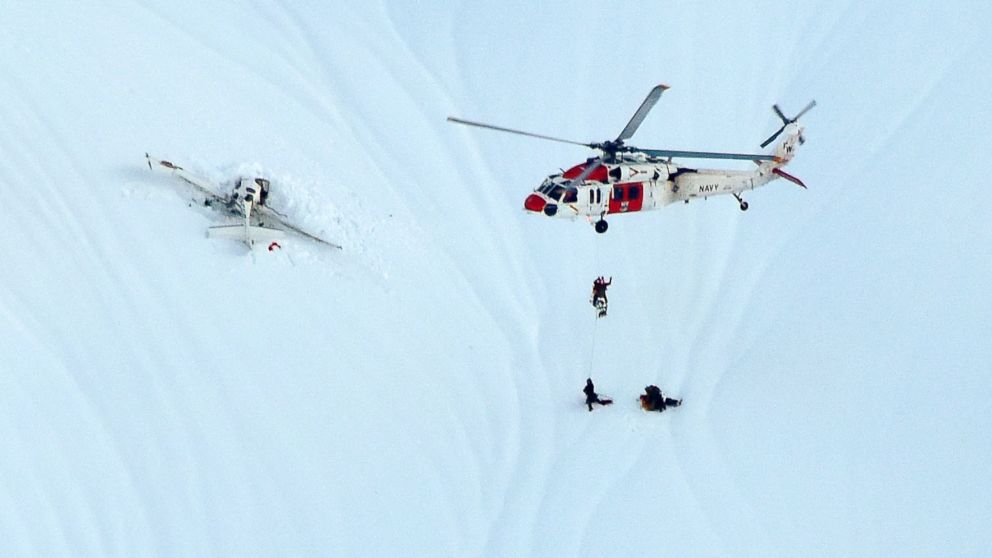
x=592, y=396
x=654, y=400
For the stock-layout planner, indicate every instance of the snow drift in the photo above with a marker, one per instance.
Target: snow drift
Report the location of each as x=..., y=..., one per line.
x=419, y=393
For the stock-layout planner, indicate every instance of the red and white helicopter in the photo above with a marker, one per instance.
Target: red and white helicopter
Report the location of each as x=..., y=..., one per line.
x=627, y=179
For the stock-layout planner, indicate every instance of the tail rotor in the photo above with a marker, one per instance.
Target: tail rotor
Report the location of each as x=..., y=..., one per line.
x=786, y=122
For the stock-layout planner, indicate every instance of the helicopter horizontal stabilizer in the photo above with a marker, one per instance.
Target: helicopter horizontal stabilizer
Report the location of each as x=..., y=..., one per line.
x=788, y=177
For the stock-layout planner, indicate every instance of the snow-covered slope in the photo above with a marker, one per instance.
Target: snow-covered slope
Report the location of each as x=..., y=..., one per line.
x=419, y=393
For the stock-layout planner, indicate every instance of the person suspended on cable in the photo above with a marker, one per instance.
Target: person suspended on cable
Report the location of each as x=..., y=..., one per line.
x=654, y=400
x=592, y=396
x=599, y=290
x=599, y=299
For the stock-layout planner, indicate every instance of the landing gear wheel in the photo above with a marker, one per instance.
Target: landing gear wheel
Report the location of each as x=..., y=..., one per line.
x=601, y=226
x=741, y=201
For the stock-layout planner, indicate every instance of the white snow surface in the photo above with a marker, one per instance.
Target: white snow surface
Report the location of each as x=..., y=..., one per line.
x=419, y=392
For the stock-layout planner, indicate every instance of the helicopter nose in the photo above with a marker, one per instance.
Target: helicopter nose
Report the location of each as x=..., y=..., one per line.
x=534, y=202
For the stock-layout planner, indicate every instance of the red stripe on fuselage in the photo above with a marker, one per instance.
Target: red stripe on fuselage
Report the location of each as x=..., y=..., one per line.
x=598, y=174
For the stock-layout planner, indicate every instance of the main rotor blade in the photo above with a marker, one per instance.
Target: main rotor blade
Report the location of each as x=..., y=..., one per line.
x=706, y=155
x=805, y=110
x=512, y=131
x=772, y=137
x=778, y=111
x=642, y=112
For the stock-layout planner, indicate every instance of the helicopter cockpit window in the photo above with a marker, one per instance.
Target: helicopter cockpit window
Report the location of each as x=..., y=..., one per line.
x=571, y=196
x=547, y=186
x=555, y=192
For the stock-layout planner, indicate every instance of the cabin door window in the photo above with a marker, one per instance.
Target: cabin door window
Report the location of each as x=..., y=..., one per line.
x=627, y=197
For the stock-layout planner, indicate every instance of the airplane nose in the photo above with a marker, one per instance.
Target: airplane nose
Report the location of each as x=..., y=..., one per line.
x=534, y=202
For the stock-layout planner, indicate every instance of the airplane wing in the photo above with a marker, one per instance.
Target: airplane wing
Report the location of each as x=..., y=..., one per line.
x=274, y=216
x=205, y=186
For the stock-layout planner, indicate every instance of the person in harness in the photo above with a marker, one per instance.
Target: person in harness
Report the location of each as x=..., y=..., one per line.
x=592, y=396
x=654, y=400
x=599, y=300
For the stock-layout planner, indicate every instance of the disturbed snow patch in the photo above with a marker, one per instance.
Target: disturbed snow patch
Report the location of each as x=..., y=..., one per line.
x=303, y=202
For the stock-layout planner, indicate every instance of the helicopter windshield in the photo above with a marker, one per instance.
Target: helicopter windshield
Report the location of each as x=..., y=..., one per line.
x=557, y=192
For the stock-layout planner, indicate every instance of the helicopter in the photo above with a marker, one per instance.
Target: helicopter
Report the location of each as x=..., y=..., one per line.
x=627, y=179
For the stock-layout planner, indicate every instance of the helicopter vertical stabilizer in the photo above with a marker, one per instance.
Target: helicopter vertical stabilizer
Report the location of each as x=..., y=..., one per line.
x=786, y=149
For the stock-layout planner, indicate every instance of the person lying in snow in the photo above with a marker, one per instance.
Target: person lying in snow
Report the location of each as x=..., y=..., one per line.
x=654, y=400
